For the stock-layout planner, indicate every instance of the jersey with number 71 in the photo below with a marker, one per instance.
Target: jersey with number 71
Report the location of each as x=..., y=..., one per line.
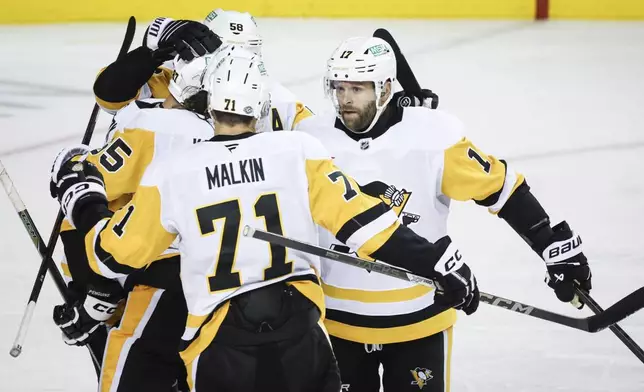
x=283, y=182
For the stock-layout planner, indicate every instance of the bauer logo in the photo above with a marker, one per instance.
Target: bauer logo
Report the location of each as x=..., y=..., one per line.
x=566, y=247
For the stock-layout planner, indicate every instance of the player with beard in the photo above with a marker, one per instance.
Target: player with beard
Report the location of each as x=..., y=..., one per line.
x=416, y=161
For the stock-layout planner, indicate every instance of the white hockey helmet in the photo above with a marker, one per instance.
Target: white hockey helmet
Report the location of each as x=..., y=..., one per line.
x=188, y=77
x=361, y=59
x=236, y=28
x=237, y=83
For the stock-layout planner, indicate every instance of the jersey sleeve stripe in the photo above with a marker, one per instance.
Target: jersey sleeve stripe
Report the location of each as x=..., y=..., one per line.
x=512, y=181
x=365, y=233
x=106, y=258
x=494, y=197
x=359, y=221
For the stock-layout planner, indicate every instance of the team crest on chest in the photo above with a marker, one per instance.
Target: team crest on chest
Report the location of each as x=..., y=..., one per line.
x=395, y=198
x=421, y=377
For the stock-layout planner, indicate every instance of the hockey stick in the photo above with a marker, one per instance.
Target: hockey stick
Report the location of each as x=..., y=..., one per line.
x=405, y=75
x=620, y=310
x=616, y=329
x=47, y=262
x=38, y=242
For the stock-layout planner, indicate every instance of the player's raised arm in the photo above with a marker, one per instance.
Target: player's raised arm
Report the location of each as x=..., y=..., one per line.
x=139, y=74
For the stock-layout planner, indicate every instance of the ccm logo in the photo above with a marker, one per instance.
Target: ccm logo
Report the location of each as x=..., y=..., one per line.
x=564, y=248
x=104, y=309
x=451, y=263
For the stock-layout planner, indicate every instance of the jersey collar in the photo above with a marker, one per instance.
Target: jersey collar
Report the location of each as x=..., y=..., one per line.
x=225, y=138
x=390, y=117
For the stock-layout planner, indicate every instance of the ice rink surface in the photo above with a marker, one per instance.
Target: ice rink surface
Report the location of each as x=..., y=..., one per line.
x=562, y=101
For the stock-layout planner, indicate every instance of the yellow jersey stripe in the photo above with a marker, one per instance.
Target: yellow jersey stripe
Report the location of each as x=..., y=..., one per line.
x=405, y=333
x=381, y=296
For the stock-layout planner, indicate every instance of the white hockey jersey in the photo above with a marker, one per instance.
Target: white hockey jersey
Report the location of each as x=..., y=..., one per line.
x=141, y=133
x=283, y=182
x=285, y=115
x=415, y=167
x=286, y=110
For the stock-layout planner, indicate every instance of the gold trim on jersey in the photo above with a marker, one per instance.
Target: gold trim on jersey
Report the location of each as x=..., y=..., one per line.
x=138, y=302
x=208, y=331
x=448, y=360
x=313, y=292
x=125, y=178
x=520, y=180
x=468, y=173
x=405, y=333
x=159, y=82
x=375, y=242
x=90, y=240
x=145, y=241
x=206, y=335
x=380, y=296
x=195, y=321
x=301, y=112
x=65, y=268
x=334, y=203
x=66, y=226
x=151, y=238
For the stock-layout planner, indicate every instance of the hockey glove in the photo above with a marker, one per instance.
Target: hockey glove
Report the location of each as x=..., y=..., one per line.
x=167, y=38
x=426, y=98
x=567, y=266
x=80, y=320
x=455, y=283
x=75, y=182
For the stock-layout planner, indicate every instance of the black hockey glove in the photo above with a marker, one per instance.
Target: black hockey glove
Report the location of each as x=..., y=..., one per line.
x=80, y=320
x=426, y=98
x=189, y=39
x=567, y=266
x=455, y=283
x=75, y=182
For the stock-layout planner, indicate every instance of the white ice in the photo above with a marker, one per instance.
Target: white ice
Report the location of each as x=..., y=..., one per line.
x=562, y=101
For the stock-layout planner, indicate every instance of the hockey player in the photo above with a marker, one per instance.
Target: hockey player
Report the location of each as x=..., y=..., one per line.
x=416, y=161
x=254, y=308
x=140, y=74
x=142, y=351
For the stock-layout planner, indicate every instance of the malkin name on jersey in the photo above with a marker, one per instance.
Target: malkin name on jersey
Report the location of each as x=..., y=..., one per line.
x=232, y=173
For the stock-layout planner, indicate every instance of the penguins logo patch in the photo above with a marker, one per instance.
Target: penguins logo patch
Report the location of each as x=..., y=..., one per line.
x=421, y=377
x=393, y=197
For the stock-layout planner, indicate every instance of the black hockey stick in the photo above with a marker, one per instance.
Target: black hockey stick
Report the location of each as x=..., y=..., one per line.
x=620, y=310
x=47, y=262
x=405, y=75
x=616, y=329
